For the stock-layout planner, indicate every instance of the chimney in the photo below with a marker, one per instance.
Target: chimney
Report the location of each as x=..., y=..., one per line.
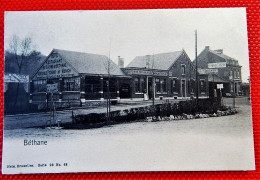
x=147, y=58
x=220, y=51
x=207, y=47
x=121, y=63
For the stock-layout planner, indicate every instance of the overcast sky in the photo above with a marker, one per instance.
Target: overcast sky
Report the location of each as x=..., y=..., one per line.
x=134, y=32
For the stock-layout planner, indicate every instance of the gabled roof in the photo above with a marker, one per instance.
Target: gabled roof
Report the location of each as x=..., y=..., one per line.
x=88, y=63
x=221, y=55
x=162, y=61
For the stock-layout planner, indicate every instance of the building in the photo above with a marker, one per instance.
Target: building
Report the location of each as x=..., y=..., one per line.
x=74, y=78
x=221, y=69
x=80, y=77
x=169, y=75
x=16, y=93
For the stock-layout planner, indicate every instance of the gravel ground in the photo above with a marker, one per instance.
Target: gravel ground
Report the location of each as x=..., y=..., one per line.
x=220, y=143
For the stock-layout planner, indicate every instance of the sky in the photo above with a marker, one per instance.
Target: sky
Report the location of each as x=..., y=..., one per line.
x=131, y=33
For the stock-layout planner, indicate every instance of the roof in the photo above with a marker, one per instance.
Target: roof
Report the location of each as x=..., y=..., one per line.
x=89, y=63
x=162, y=61
x=225, y=57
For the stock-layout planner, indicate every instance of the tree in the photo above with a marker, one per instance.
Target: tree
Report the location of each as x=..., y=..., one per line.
x=110, y=67
x=21, y=49
x=17, y=58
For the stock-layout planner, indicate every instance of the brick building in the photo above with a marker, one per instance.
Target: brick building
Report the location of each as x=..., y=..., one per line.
x=165, y=75
x=229, y=74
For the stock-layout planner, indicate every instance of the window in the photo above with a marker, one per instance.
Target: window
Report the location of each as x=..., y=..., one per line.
x=39, y=85
x=202, y=86
x=175, y=86
x=238, y=75
x=157, y=83
x=72, y=84
x=142, y=85
x=192, y=85
x=137, y=87
x=183, y=69
x=163, y=85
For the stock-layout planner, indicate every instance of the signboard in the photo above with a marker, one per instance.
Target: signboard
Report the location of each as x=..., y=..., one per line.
x=146, y=72
x=55, y=67
x=208, y=71
x=217, y=65
x=16, y=78
x=52, y=88
x=220, y=86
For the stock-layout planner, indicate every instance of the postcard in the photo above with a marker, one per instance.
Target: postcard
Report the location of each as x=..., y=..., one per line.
x=127, y=90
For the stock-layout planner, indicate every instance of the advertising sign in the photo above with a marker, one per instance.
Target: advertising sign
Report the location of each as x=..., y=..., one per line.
x=208, y=71
x=220, y=86
x=217, y=65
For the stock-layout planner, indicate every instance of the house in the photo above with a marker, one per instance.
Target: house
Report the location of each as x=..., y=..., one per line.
x=161, y=75
x=227, y=70
x=79, y=77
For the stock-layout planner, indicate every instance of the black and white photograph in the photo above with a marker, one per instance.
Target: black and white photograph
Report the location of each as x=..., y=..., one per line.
x=127, y=90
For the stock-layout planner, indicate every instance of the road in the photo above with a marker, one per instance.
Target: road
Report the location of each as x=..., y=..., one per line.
x=219, y=143
x=39, y=119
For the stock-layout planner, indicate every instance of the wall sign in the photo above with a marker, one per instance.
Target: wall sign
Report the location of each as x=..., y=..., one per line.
x=217, y=65
x=146, y=72
x=55, y=67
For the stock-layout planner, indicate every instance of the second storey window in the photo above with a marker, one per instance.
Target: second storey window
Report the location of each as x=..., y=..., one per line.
x=183, y=69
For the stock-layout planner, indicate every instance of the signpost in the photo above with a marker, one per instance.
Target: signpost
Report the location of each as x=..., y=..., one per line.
x=53, y=88
x=223, y=65
x=220, y=86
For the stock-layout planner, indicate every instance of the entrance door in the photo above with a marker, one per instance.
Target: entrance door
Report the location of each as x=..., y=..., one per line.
x=183, y=88
x=124, y=90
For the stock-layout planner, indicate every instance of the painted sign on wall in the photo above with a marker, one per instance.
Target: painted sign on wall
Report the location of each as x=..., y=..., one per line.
x=146, y=72
x=208, y=71
x=55, y=67
x=217, y=65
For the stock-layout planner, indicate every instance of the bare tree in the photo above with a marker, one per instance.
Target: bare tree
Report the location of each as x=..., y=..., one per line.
x=21, y=50
x=110, y=67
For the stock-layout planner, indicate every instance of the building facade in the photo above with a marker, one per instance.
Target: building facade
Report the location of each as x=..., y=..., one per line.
x=169, y=75
x=80, y=77
x=74, y=78
x=227, y=70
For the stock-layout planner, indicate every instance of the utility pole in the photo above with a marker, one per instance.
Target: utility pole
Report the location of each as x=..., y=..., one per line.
x=234, y=92
x=196, y=60
x=153, y=81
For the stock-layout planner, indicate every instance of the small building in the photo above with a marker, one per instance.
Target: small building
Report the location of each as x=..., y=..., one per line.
x=80, y=77
x=169, y=75
x=16, y=93
x=227, y=70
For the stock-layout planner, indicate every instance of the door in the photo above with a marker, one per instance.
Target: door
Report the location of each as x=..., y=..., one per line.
x=124, y=90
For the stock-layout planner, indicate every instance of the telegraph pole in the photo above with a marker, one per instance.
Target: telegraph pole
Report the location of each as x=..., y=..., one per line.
x=196, y=60
x=234, y=89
